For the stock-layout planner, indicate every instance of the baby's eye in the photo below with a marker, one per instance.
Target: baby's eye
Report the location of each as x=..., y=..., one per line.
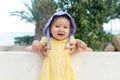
x=65, y=27
x=57, y=26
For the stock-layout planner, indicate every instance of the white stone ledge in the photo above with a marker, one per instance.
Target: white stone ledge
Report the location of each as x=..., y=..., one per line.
x=87, y=65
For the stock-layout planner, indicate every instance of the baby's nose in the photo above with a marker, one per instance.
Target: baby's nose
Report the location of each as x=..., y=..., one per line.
x=61, y=29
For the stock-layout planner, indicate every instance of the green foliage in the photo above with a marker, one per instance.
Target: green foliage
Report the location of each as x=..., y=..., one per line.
x=89, y=16
x=25, y=40
x=37, y=13
x=109, y=37
x=32, y=13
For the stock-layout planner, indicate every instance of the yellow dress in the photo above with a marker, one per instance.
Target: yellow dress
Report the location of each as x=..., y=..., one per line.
x=57, y=66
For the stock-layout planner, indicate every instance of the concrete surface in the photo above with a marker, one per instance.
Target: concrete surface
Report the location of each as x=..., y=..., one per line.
x=21, y=65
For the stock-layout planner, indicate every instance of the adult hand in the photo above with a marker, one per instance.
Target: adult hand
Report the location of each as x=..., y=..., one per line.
x=81, y=44
x=39, y=49
x=36, y=46
x=74, y=49
x=43, y=52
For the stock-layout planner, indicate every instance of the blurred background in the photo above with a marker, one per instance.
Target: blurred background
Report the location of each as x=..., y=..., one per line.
x=22, y=21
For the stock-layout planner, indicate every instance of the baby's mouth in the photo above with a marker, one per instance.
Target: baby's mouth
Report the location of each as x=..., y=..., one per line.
x=60, y=34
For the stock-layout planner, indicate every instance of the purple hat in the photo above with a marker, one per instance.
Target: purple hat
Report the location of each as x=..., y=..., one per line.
x=46, y=30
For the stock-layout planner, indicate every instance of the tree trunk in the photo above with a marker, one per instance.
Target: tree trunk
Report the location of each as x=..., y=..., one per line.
x=38, y=32
x=45, y=13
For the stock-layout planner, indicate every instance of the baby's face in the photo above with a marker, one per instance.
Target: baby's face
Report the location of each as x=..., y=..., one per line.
x=60, y=28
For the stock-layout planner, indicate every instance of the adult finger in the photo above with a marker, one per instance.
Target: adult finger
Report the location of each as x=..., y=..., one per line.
x=81, y=44
x=45, y=51
x=72, y=48
x=36, y=46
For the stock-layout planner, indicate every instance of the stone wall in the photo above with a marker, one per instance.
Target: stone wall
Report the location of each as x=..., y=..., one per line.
x=114, y=45
x=13, y=48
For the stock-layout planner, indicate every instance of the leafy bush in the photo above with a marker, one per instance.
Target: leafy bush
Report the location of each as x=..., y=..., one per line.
x=90, y=15
x=25, y=40
x=109, y=37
